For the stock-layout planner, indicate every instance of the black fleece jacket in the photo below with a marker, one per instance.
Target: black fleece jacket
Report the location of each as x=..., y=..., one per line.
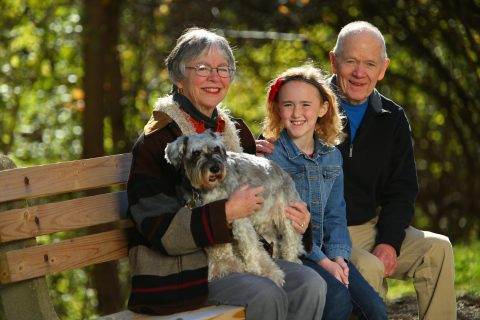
x=379, y=170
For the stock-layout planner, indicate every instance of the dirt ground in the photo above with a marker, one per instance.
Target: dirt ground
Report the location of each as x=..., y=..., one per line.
x=468, y=308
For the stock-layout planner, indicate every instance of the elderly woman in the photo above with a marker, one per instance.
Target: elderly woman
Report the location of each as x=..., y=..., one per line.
x=168, y=264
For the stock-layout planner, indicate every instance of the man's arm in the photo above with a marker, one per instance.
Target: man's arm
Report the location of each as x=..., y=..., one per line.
x=397, y=199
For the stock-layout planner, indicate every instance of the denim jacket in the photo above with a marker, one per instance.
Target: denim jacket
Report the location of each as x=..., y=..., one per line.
x=319, y=181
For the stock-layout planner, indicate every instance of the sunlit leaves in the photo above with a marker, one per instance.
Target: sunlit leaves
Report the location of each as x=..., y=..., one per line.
x=40, y=61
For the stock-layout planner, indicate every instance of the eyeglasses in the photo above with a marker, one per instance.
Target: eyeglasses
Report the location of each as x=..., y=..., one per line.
x=204, y=71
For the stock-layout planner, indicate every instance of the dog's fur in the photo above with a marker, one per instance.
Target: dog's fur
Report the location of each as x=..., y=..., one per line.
x=214, y=174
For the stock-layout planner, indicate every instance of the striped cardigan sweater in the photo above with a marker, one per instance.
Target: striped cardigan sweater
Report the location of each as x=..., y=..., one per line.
x=167, y=262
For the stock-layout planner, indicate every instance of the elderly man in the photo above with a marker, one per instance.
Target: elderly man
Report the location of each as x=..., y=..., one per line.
x=381, y=181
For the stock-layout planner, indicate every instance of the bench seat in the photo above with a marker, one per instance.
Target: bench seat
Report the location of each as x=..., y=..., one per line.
x=83, y=199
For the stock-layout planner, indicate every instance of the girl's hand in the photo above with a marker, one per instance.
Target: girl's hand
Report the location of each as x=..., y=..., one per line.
x=264, y=147
x=334, y=269
x=298, y=213
x=343, y=264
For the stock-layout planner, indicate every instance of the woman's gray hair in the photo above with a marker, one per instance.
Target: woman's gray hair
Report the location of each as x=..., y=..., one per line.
x=357, y=27
x=192, y=44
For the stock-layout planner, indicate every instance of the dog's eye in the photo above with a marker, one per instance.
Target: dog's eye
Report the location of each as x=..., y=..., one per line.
x=195, y=153
x=216, y=149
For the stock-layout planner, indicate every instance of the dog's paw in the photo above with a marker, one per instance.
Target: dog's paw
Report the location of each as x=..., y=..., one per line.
x=217, y=271
x=296, y=260
x=277, y=276
x=222, y=268
x=213, y=272
x=291, y=256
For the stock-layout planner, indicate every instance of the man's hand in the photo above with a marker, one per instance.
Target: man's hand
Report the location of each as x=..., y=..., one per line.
x=387, y=254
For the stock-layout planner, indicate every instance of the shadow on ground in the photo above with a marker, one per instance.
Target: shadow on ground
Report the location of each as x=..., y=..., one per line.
x=468, y=308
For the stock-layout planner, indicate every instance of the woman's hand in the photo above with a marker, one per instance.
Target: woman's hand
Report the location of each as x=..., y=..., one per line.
x=264, y=147
x=244, y=201
x=336, y=269
x=298, y=213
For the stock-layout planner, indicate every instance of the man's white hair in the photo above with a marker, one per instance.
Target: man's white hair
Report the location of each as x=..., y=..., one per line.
x=354, y=28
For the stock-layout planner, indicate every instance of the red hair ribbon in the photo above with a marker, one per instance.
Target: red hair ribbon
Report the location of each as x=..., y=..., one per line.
x=275, y=88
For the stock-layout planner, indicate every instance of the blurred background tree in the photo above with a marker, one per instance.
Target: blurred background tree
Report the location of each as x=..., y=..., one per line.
x=79, y=79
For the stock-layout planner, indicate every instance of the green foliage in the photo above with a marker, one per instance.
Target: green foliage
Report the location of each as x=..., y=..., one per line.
x=399, y=288
x=41, y=68
x=73, y=295
x=467, y=267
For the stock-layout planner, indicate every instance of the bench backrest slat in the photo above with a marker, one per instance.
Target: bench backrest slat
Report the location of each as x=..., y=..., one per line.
x=63, y=177
x=69, y=254
x=67, y=215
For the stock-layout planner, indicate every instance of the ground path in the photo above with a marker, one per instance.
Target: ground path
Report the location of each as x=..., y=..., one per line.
x=468, y=308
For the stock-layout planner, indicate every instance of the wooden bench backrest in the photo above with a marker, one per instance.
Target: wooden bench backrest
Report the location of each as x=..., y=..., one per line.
x=47, y=218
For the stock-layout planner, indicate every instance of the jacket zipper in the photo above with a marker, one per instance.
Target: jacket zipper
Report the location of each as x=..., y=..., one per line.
x=350, y=153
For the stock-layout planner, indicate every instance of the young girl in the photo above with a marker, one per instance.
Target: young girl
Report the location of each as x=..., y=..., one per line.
x=303, y=118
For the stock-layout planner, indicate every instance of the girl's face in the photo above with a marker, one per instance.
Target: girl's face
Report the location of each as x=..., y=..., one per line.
x=300, y=105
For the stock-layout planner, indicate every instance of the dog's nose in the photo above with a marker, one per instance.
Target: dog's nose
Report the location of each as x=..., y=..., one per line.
x=215, y=168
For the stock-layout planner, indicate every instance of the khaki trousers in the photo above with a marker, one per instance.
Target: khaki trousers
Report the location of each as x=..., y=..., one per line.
x=425, y=257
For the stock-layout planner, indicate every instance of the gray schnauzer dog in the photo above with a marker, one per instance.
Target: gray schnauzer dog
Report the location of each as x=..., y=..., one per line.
x=213, y=174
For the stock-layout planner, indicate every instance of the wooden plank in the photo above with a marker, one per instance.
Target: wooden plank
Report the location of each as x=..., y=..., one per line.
x=23, y=300
x=69, y=254
x=211, y=313
x=62, y=216
x=64, y=177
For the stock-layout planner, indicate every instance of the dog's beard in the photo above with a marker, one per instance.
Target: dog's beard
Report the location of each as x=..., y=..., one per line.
x=204, y=179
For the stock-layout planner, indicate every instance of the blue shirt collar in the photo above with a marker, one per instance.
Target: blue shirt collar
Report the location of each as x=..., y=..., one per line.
x=293, y=151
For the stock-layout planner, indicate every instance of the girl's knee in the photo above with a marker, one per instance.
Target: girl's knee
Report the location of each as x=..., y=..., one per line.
x=339, y=303
x=378, y=312
x=338, y=294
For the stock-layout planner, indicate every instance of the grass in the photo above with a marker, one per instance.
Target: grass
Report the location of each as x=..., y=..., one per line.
x=467, y=273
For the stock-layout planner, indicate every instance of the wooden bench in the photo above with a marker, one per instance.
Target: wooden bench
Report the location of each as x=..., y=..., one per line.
x=24, y=264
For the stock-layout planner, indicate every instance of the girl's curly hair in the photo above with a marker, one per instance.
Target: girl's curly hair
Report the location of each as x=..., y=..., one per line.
x=328, y=128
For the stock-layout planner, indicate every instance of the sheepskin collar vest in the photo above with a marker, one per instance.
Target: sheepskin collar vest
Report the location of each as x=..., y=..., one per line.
x=166, y=110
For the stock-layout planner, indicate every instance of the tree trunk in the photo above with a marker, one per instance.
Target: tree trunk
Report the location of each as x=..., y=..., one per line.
x=113, y=81
x=100, y=41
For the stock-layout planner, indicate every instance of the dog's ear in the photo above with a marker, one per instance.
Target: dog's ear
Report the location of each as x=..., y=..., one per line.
x=175, y=151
